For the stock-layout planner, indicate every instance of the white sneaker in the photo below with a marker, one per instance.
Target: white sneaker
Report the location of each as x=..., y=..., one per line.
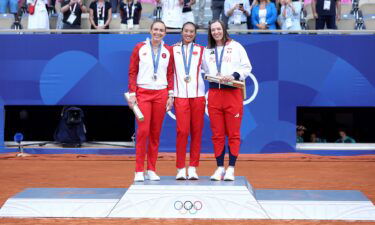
x=229, y=174
x=138, y=177
x=181, y=174
x=218, y=174
x=151, y=175
x=192, y=173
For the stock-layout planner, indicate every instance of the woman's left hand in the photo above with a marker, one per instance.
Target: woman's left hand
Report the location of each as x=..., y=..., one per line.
x=226, y=78
x=169, y=104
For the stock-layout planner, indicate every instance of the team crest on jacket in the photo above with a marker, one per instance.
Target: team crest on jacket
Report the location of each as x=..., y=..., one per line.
x=195, y=53
x=164, y=55
x=144, y=53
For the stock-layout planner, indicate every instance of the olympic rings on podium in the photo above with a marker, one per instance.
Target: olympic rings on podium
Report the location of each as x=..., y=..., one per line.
x=188, y=206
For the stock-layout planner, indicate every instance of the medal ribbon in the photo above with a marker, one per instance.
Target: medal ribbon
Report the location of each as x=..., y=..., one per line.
x=219, y=62
x=188, y=64
x=155, y=61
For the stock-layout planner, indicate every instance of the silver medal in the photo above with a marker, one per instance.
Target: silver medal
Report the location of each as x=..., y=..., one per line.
x=154, y=77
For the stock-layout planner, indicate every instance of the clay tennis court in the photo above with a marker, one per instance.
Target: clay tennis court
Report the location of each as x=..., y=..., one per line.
x=266, y=171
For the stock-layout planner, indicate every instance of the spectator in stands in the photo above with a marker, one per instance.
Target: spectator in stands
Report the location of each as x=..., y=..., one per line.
x=248, y=19
x=218, y=13
x=237, y=12
x=151, y=87
x=264, y=15
x=13, y=6
x=289, y=17
x=130, y=11
x=115, y=5
x=187, y=12
x=172, y=13
x=326, y=12
x=60, y=15
x=344, y=138
x=201, y=8
x=100, y=14
x=300, y=132
x=39, y=19
x=72, y=10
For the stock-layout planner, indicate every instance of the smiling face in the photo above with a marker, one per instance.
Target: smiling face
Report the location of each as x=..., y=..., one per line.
x=217, y=32
x=188, y=33
x=157, y=32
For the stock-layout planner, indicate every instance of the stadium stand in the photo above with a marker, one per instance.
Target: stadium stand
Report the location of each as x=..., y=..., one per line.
x=358, y=15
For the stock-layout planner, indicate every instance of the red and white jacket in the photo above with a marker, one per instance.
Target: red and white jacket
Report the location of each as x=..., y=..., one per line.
x=194, y=88
x=235, y=60
x=141, y=68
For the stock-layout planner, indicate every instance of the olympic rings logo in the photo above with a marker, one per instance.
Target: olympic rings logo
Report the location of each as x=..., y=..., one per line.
x=188, y=206
x=245, y=102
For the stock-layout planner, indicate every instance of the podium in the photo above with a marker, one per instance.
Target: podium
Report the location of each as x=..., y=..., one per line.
x=200, y=199
x=171, y=198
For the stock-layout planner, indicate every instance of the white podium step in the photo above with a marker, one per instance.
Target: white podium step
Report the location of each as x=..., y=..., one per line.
x=316, y=204
x=169, y=198
x=62, y=202
x=203, y=199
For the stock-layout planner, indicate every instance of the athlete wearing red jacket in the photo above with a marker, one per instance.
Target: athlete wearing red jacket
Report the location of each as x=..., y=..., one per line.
x=228, y=60
x=189, y=100
x=151, y=87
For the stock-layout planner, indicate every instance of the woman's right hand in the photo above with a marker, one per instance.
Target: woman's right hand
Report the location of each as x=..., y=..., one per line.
x=132, y=101
x=262, y=26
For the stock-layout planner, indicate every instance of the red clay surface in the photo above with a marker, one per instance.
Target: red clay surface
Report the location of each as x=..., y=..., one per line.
x=272, y=171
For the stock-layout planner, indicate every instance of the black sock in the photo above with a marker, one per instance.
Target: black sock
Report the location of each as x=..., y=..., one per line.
x=232, y=159
x=220, y=158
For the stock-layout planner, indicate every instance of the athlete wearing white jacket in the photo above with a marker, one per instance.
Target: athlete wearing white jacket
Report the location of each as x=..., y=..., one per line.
x=228, y=60
x=151, y=87
x=189, y=101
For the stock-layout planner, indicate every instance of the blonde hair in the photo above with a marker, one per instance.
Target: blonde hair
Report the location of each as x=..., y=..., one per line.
x=256, y=2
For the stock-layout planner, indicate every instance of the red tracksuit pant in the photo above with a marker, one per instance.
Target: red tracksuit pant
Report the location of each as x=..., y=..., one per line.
x=152, y=103
x=190, y=121
x=225, y=109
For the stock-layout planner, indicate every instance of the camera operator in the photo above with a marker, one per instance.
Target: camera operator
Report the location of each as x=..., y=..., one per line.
x=237, y=12
x=72, y=11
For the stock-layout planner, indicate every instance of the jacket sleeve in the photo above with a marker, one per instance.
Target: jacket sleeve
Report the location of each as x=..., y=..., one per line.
x=255, y=17
x=273, y=14
x=226, y=7
x=170, y=71
x=205, y=69
x=244, y=68
x=133, y=69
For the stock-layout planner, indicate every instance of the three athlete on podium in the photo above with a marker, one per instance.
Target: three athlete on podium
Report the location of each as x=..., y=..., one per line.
x=161, y=76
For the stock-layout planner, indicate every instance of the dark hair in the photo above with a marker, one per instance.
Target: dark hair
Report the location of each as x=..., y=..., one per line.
x=211, y=40
x=191, y=23
x=158, y=21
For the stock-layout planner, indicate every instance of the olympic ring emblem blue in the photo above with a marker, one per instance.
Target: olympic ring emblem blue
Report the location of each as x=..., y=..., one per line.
x=188, y=206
